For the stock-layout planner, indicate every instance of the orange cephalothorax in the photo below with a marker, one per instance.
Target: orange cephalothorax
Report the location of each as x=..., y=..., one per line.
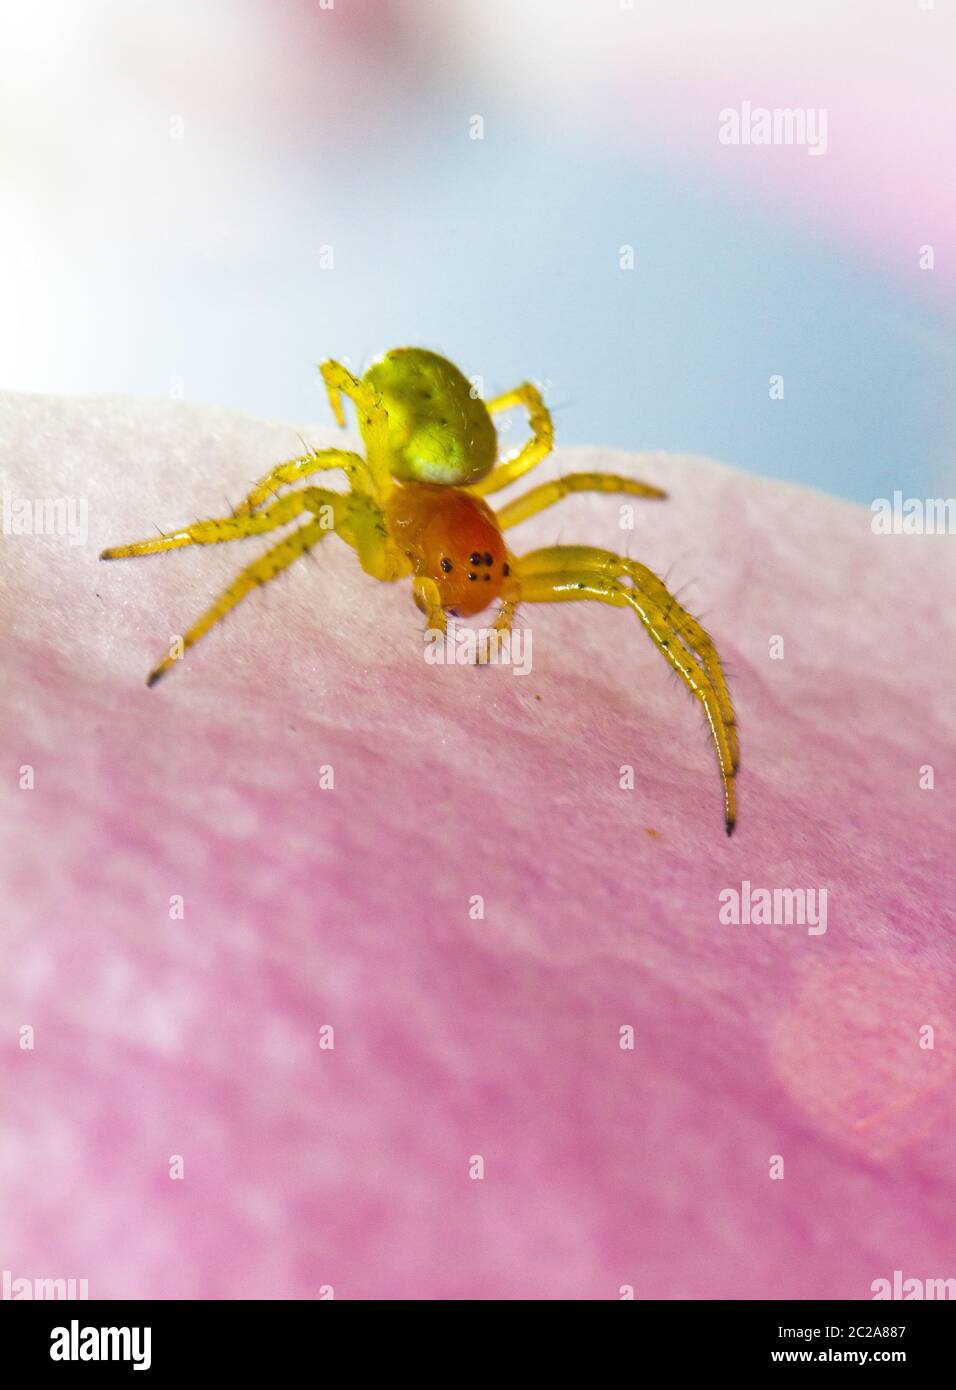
x=452, y=538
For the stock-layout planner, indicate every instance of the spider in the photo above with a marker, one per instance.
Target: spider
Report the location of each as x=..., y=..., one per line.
x=416, y=509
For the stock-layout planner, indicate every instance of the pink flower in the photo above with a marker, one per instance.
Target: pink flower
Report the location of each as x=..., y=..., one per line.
x=554, y=1070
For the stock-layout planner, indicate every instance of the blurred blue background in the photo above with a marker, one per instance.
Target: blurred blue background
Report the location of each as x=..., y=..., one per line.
x=179, y=178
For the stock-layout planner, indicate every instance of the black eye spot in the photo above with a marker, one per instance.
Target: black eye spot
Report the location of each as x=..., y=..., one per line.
x=487, y=558
x=506, y=570
x=472, y=576
x=474, y=558
x=446, y=565
x=487, y=578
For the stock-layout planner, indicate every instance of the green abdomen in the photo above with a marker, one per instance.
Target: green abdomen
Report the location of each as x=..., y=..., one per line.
x=439, y=429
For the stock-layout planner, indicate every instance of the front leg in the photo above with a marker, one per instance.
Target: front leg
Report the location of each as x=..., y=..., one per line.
x=685, y=624
x=505, y=617
x=574, y=573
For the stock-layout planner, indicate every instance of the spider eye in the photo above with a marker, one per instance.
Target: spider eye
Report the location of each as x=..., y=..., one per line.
x=487, y=557
x=446, y=565
x=474, y=558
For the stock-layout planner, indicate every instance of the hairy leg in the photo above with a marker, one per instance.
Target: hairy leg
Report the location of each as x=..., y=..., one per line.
x=265, y=567
x=372, y=417
x=218, y=529
x=540, y=444
x=571, y=584
x=688, y=628
x=546, y=494
x=294, y=470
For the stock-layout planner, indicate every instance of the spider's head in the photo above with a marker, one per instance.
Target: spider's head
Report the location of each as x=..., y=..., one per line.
x=464, y=552
x=454, y=539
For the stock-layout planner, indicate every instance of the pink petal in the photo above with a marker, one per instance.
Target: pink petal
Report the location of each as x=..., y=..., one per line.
x=349, y=1167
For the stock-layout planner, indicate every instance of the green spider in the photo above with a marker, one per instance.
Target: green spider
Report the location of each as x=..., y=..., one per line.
x=415, y=509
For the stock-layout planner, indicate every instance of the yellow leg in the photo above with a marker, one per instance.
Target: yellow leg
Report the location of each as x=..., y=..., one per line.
x=316, y=461
x=227, y=528
x=570, y=583
x=546, y=494
x=265, y=567
x=373, y=421
x=684, y=624
x=505, y=617
x=540, y=443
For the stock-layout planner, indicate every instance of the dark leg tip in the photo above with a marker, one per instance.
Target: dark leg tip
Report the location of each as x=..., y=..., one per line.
x=730, y=827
